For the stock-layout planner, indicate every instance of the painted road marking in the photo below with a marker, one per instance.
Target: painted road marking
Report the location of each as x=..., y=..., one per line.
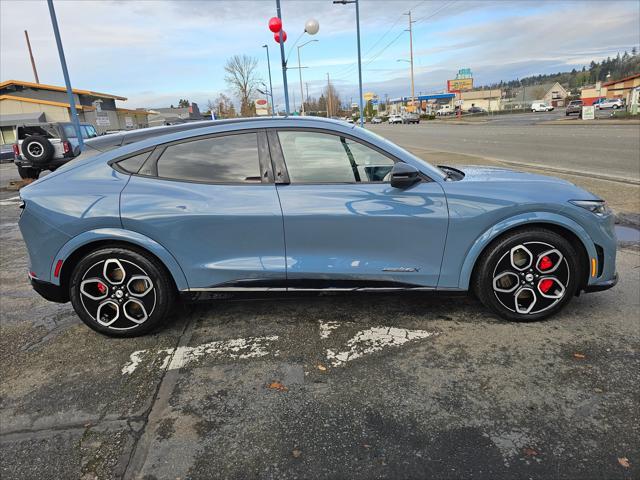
x=10, y=201
x=364, y=342
x=175, y=358
x=374, y=339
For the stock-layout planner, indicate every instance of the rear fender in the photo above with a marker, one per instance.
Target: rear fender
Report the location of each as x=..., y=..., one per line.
x=121, y=235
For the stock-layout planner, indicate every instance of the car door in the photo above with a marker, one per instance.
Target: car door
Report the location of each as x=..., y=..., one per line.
x=211, y=202
x=345, y=226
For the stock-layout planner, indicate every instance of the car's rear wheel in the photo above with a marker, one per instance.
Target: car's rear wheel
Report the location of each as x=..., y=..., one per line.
x=527, y=275
x=121, y=292
x=28, y=173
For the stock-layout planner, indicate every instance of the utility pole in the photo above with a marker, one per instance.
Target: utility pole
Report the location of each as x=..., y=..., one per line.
x=328, y=96
x=65, y=73
x=411, y=57
x=307, y=88
x=33, y=62
x=360, y=97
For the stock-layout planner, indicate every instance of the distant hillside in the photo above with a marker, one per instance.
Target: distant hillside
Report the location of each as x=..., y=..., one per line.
x=619, y=67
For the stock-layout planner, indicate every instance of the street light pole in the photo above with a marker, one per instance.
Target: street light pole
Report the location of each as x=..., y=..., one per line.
x=65, y=72
x=300, y=72
x=360, y=97
x=284, y=62
x=270, y=84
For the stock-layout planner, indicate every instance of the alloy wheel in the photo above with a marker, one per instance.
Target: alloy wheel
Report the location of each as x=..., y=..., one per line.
x=531, y=277
x=117, y=294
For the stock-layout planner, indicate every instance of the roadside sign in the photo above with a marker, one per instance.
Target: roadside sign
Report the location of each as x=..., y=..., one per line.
x=588, y=112
x=128, y=122
x=102, y=119
x=262, y=107
x=458, y=84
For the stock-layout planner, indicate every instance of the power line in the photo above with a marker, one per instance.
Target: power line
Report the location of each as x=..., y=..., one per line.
x=351, y=66
x=347, y=71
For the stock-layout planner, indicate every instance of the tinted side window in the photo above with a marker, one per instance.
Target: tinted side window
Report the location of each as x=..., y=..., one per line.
x=133, y=164
x=313, y=157
x=229, y=159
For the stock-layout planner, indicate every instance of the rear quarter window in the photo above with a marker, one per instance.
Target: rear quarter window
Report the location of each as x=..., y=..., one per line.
x=133, y=164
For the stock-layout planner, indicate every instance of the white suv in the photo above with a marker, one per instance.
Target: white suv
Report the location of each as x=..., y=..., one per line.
x=603, y=103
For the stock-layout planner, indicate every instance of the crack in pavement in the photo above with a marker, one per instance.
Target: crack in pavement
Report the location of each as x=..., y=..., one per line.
x=144, y=438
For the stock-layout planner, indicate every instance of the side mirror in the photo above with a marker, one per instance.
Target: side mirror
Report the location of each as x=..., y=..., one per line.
x=404, y=175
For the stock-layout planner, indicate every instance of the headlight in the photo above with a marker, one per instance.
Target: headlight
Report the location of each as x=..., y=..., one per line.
x=599, y=207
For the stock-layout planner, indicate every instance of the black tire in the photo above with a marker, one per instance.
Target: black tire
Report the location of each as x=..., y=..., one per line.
x=496, y=273
x=28, y=172
x=122, y=306
x=37, y=149
x=615, y=107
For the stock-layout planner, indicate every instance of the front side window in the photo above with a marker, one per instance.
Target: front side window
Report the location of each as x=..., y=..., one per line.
x=228, y=159
x=313, y=157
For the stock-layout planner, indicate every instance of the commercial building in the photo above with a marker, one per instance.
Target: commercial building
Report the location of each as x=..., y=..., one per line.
x=622, y=88
x=489, y=99
x=27, y=102
x=174, y=115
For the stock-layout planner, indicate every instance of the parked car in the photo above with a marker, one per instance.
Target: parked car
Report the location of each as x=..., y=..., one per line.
x=376, y=120
x=541, y=107
x=604, y=103
x=395, y=119
x=411, y=118
x=445, y=110
x=46, y=146
x=124, y=233
x=6, y=153
x=575, y=106
x=475, y=109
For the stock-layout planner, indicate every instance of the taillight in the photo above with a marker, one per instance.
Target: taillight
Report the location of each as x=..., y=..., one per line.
x=16, y=149
x=66, y=146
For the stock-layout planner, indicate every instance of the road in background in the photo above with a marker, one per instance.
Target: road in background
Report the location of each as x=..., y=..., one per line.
x=606, y=150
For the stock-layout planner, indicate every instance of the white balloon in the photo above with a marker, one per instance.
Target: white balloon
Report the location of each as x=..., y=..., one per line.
x=312, y=26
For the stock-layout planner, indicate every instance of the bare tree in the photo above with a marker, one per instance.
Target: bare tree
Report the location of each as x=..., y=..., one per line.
x=241, y=78
x=222, y=106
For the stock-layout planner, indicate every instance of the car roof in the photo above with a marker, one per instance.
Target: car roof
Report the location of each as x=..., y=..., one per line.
x=108, y=142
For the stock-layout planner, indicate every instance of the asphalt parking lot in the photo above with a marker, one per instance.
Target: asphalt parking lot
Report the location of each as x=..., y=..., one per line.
x=334, y=386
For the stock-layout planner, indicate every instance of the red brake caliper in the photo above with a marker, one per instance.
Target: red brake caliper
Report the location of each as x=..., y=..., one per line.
x=546, y=284
x=545, y=263
x=102, y=287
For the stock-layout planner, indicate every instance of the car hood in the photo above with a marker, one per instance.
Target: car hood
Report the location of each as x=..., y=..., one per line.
x=475, y=173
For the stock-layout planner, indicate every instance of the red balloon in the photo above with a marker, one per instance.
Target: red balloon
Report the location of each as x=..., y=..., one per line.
x=276, y=37
x=275, y=24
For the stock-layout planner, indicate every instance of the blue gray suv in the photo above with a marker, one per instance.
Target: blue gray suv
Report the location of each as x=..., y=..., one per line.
x=289, y=204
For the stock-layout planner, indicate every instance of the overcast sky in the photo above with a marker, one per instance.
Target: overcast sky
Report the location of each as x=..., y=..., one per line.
x=157, y=51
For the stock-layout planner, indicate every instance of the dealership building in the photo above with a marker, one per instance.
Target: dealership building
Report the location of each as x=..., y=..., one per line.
x=26, y=102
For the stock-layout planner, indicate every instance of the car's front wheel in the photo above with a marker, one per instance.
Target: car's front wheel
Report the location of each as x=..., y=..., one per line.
x=527, y=275
x=121, y=292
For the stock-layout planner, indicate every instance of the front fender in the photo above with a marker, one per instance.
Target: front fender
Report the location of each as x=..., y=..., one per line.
x=122, y=235
x=509, y=223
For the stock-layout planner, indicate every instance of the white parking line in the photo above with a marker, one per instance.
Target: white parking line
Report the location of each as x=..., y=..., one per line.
x=175, y=358
x=374, y=339
x=10, y=201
